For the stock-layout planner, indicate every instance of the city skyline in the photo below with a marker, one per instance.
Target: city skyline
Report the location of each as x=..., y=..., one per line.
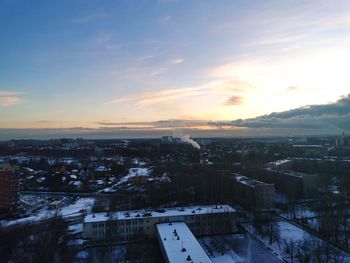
x=147, y=68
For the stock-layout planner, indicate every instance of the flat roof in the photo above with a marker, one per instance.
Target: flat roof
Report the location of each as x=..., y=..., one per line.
x=166, y=212
x=179, y=244
x=248, y=181
x=287, y=172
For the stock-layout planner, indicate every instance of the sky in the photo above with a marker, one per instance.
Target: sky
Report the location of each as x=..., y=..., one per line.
x=135, y=68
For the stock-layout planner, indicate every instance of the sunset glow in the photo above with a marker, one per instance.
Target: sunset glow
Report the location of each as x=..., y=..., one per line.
x=132, y=61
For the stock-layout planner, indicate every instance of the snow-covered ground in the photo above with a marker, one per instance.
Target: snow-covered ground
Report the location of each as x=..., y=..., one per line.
x=101, y=254
x=300, y=211
x=236, y=248
x=281, y=236
x=134, y=172
x=82, y=204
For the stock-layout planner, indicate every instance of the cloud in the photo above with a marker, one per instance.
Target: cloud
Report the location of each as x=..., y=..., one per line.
x=9, y=98
x=169, y=124
x=325, y=116
x=211, y=89
x=158, y=72
x=89, y=18
x=176, y=61
x=143, y=58
x=162, y=70
x=234, y=100
x=292, y=88
x=164, y=19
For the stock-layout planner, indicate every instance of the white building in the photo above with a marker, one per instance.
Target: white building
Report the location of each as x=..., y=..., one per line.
x=130, y=225
x=179, y=245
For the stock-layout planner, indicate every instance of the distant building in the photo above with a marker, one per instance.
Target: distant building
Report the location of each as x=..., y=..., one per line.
x=168, y=139
x=253, y=194
x=293, y=184
x=342, y=141
x=131, y=225
x=311, y=149
x=9, y=190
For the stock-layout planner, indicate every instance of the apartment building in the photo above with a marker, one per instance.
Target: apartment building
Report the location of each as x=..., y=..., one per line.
x=9, y=190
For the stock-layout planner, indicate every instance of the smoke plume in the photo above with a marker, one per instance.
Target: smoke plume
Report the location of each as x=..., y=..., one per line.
x=187, y=138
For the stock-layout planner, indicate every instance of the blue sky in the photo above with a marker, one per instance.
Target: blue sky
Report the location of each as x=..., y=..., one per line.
x=82, y=63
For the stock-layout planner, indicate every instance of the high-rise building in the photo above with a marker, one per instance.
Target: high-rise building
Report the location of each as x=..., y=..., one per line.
x=9, y=189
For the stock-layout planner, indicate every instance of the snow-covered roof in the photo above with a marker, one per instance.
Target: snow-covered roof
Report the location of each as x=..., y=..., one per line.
x=281, y=162
x=248, y=181
x=102, y=169
x=100, y=182
x=179, y=243
x=167, y=212
x=287, y=172
x=41, y=179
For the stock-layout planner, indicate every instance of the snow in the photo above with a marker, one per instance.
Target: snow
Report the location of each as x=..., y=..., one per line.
x=177, y=211
x=280, y=162
x=76, y=242
x=75, y=229
x=224, y=259
x=102, y=169
x=247, y=181
x=134, y=172
x=285, y=233
x=100, y=182
x=299, y=211
x=236, y=248
x=108, y=190
x=72, y=209
x=179, y=243
x=82, y=255
x=290, y=232
x=41, y=179
x=96, y=217
x=80, y=204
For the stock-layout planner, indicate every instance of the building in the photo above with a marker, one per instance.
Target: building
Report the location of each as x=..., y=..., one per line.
x=131, y=225
x=341, y=141
x=253, y=194
x=311, y=150
x=178, y=244
x=293, y=184
x=168, y=139
x=9, y=190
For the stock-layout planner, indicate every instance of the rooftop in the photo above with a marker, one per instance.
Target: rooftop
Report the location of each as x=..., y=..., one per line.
x=175, y=211
x=179, y=243
x=287, y=172
x=248, y=181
